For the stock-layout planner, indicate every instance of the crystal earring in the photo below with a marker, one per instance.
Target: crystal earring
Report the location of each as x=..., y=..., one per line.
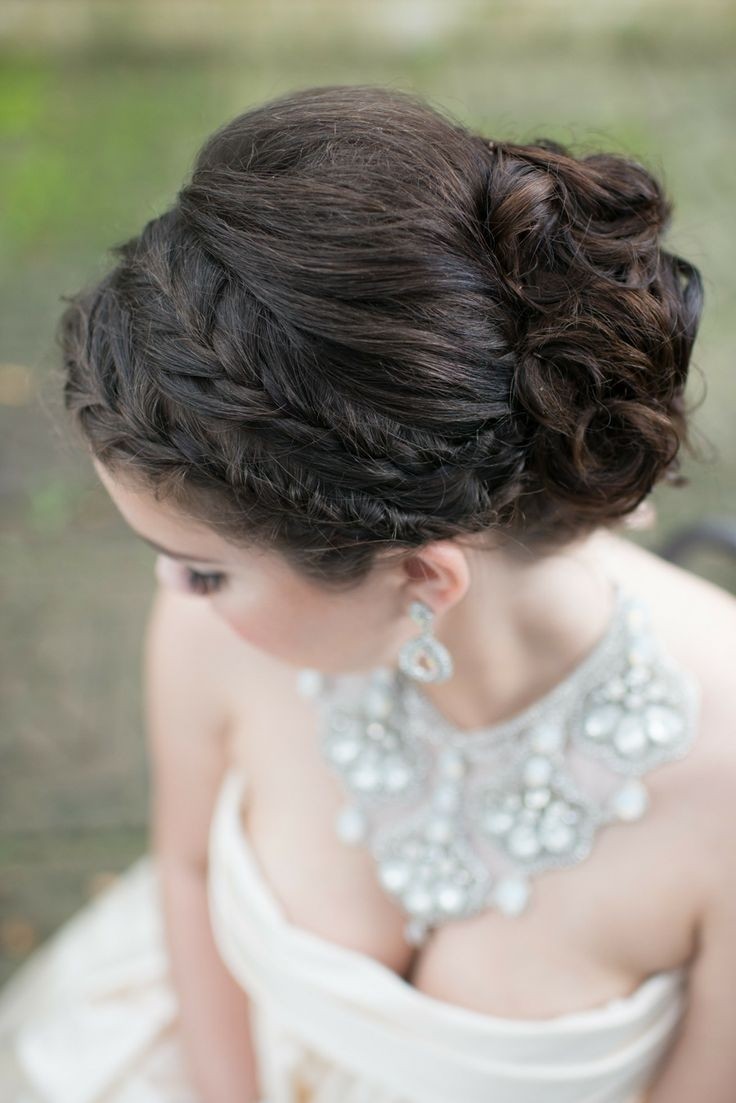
x=424, y=658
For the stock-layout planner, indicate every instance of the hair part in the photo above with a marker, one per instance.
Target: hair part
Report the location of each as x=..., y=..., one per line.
x=361, y=326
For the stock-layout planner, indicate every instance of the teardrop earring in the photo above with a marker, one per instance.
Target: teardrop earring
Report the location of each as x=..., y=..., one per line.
x=424, y=658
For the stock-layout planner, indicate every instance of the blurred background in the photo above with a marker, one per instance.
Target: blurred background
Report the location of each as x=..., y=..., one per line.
x=102, y=107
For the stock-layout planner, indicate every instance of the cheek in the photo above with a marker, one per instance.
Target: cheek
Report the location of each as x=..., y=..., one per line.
x=307, y=631
x=270, y=619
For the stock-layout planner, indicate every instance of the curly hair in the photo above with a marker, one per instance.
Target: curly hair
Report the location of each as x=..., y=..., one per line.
x=363, y=326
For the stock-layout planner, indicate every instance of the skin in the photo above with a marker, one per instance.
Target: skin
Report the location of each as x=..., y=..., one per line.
x=546, y=612
x=514, y=626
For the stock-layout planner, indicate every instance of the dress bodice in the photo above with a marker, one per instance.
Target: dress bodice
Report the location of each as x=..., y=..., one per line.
x=334, y=1023
x=93, y=1016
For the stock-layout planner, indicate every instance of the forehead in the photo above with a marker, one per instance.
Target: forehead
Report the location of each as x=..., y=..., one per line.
x=161, y=523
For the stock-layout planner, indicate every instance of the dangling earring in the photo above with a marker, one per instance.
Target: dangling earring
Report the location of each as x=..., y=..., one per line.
x=424, y=658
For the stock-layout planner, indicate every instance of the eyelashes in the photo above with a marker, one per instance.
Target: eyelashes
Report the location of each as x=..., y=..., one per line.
x=178, y=577
x=204, y=582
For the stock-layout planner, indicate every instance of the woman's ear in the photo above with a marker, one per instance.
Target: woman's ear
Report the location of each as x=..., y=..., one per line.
x=437, y=574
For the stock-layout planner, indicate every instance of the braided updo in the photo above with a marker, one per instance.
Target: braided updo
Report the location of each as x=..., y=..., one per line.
x=362, y=326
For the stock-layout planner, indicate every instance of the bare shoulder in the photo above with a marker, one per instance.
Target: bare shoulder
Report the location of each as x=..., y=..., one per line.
x=193, y=665
x=183, y=631
x=695, y=621
x=697, y=617
x=226, y=671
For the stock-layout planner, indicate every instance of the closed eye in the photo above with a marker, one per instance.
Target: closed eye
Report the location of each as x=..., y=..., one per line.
x=204, y=582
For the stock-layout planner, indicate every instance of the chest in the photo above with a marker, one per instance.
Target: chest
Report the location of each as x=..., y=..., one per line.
x=592, y=932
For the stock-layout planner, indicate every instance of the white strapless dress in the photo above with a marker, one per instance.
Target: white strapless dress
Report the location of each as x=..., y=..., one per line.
x=92, y=1016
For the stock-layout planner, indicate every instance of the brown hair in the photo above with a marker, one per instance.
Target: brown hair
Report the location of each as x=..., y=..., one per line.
x=361, y=325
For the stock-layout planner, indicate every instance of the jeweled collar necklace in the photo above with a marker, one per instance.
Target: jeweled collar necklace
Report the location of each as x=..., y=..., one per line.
x=461, y=821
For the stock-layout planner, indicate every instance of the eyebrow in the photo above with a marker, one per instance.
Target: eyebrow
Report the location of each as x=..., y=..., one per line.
x=177, y=555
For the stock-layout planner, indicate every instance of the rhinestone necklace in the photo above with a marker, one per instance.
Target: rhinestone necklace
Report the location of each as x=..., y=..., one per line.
x=460, y=821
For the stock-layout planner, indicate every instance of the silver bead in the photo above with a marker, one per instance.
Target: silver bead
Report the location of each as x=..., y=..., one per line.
x=548, y=739
x=558, y=837
x=523, y=842
x=396, y=774
x=350, y=824
x=366, y=777
x=418, y=900
x=662, y=724
x=511, y=894
x=394, y=874
x=537, y=798
x=601, y=720
x=450, y=898
x=309, y=682
x=630, y=801
x=630, y=738
x=537, y=770
x=343, y=751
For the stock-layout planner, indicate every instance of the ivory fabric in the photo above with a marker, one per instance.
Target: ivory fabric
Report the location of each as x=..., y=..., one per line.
x=92, y=1016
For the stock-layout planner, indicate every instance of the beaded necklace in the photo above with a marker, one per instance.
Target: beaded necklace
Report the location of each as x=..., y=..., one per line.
x=460, y=821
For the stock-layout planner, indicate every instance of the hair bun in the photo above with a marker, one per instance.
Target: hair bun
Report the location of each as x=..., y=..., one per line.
x=362, y=326
x=601, y=324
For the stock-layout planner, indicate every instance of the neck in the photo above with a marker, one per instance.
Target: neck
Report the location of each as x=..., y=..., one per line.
x=521, y=627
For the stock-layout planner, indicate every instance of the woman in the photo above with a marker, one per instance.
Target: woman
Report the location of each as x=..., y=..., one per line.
x=441, y=765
